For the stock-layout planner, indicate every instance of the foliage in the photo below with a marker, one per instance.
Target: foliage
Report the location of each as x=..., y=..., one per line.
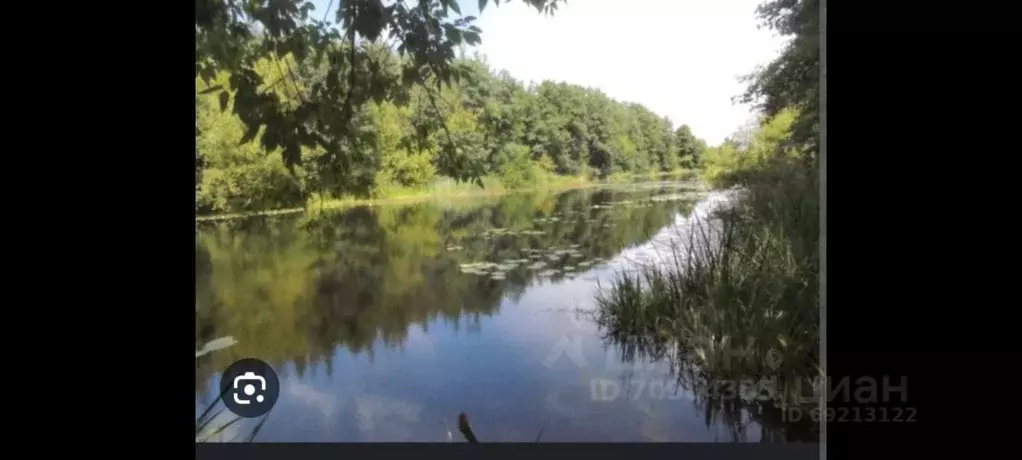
x=768, y=142
x=317, y=105
x=738, y=287
x=793, y=79
x=688, y=148
x=522, y=135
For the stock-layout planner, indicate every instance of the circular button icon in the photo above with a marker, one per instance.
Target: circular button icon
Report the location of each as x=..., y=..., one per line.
x=249, y=387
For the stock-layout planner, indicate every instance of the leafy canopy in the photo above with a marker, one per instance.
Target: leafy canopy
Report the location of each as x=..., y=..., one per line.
x=234, y=36
x=792, y=80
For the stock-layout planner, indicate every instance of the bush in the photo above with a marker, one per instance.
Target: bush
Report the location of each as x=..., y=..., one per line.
x=520, y=171
x=248, y=187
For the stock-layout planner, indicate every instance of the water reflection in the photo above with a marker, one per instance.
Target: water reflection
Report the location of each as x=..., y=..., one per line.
x=379, y=332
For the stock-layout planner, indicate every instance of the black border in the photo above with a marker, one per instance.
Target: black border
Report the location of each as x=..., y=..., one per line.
x=108, y=109
x=892, y=250
x=902, y=221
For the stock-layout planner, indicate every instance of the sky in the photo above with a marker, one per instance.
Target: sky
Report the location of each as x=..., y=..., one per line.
x=679, y=58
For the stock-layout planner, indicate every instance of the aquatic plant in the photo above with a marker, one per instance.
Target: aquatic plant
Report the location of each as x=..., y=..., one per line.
x=737, y=299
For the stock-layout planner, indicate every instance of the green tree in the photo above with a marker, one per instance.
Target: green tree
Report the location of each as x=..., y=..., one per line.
x=233, y=37
x=793, y=79
x=688, y=148
x=413, y=135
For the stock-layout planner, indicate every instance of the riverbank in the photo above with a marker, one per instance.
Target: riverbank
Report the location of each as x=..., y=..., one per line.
x=448, y=189
x=739, y=296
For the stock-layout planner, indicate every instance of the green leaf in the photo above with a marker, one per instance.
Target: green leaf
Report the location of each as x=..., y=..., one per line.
x=455, y=35
x=482, y=4
x=224, y=98
x=211, y=89
x=455, y=7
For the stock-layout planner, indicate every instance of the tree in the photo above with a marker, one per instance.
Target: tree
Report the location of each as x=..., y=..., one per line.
x=689, y=149
x=233, y=36
x=793, y=79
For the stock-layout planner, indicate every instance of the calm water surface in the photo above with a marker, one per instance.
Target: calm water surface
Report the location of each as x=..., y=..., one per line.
x=384, y=323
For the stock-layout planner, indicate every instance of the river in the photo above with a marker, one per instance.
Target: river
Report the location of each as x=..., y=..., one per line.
x=384, y=323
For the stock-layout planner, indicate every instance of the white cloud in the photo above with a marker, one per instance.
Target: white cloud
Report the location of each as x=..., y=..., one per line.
x=679, y=58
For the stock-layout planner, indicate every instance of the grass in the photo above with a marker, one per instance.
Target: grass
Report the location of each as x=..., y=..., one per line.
x=449, y=189
x=738, y=300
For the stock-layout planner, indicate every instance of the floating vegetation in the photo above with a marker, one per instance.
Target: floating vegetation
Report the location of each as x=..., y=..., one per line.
x=477, y=268
x=542, y=262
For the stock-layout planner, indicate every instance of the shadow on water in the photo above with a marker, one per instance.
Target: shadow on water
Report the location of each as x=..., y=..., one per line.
x=352, y=304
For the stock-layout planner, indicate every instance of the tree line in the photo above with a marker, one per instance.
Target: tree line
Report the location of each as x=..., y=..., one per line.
x=357, y=116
